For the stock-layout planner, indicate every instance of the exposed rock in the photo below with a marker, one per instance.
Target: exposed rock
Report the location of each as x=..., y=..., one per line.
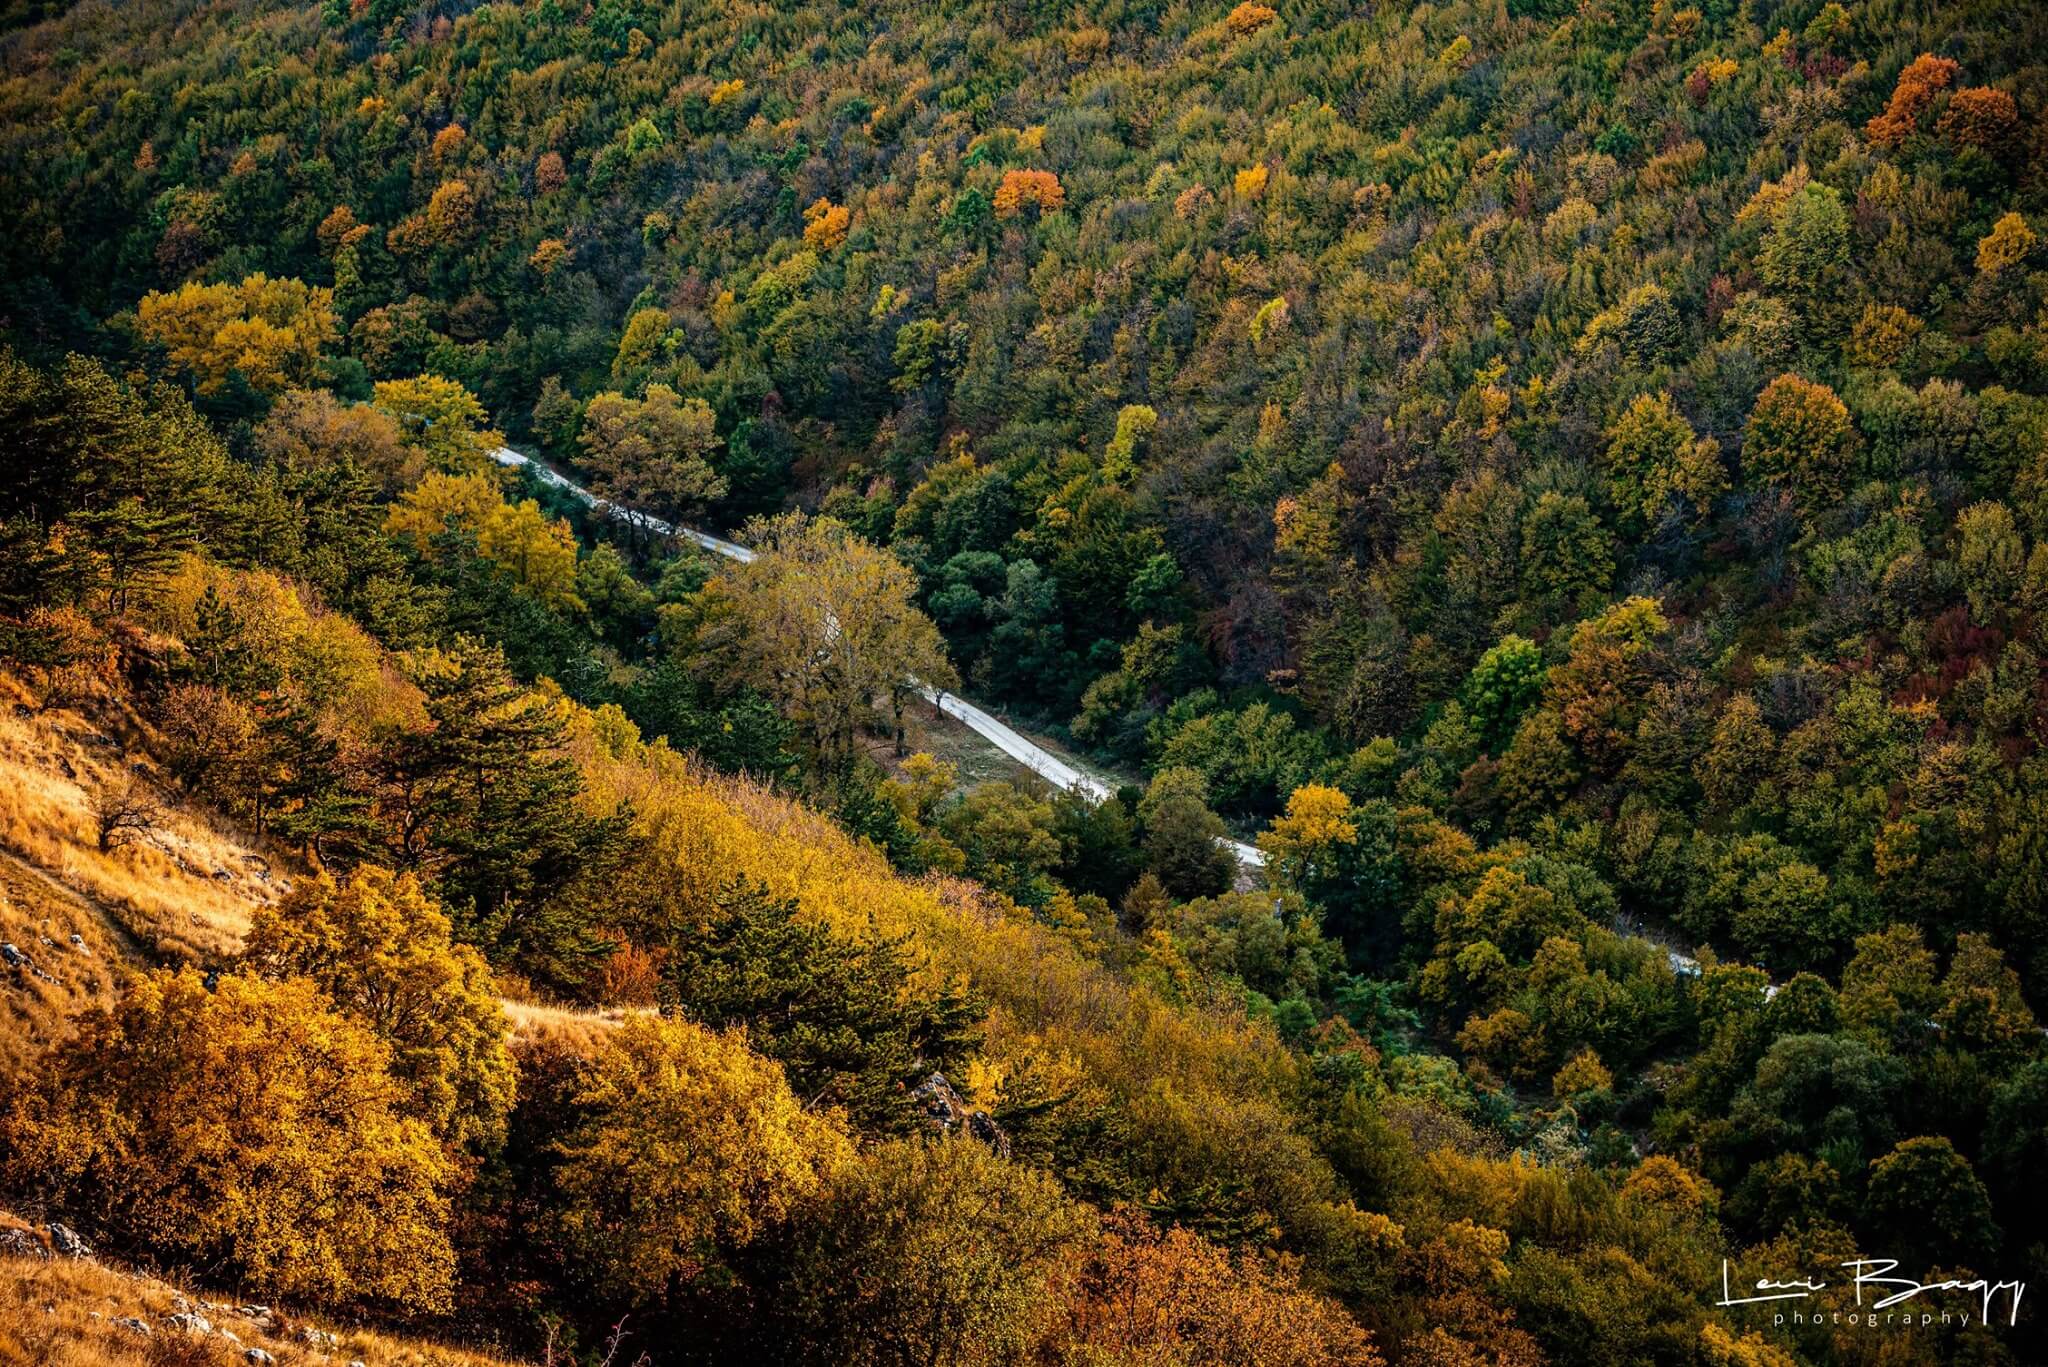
x=319, y=1338
x=67, y=1243
x=134, y=1326
x=23, y=1243
x=78, y=943
x=14, y=957
x=948, y=1112
x=257, y=1355
x=983, y=1127
x=191, y=1323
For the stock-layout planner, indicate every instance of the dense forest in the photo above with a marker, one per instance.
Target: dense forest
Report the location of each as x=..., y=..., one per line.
x=1568, y=481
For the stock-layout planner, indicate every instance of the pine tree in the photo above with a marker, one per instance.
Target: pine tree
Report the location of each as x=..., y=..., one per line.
x=308, y=796
x=843, y=1017
x=484, y=801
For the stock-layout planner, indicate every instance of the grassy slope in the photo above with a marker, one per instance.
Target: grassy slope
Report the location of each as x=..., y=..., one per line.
x=63, y=1313
x=185, y=894
x=39, y=916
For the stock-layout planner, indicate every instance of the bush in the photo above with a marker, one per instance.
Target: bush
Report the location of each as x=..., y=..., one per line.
x=247, y=1127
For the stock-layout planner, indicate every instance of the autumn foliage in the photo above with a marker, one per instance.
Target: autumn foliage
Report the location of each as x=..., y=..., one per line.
x=1981, y=117
x=382, y=951
x=1563, y=483
x=248, y=1126
x=690, y=1146
x=1028, y=189
x=825, y=224
x=1147, y=1295
x=271, y=332
x=1249, y=17
x=1799, y=434
x=1925, y=77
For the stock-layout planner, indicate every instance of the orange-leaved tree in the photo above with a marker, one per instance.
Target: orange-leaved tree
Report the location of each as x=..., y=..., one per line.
x=247, y=1127
x=1150, y=1296
x=1924, y=77
x=1028, y=189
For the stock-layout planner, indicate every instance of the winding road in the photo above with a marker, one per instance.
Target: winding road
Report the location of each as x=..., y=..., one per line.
x=1024, y=751
x=1020, y=748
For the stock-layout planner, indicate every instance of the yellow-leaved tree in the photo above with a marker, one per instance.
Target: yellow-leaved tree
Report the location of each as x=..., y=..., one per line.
x=2006, y=245
x=930, y=1251
x=826, y=223
x=824, y=624
x=689, y=1145
x=384, y=951
x=1800, y=435
x=442, y=420
x=271, y=331
x=248, y=1128
x=517, y=537
x=1304, y=841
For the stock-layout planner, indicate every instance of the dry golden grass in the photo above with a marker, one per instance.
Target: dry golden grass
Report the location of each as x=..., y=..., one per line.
x=187, y=893
x=63, y=1313
x=531, y=1020
x=184, y=892
x=40, y=917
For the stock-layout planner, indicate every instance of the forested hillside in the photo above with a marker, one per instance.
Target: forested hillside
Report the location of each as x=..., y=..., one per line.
x=1569, y=481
